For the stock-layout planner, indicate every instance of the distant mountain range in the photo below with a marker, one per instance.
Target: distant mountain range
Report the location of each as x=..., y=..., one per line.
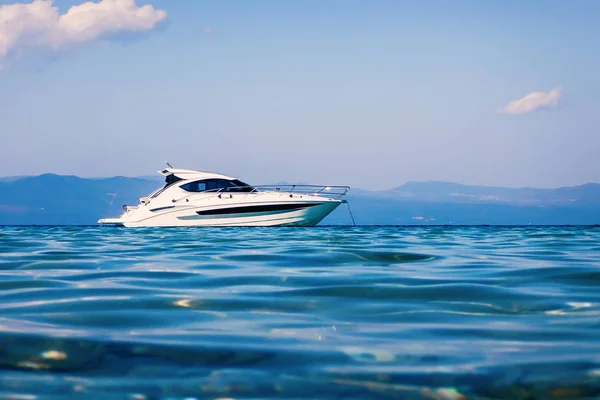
x=69, y=200
x=445, y=192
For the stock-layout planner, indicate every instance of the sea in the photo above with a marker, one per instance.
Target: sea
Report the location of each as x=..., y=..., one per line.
x=377, y=312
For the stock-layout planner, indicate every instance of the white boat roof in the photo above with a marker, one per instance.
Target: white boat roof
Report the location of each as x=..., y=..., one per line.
x=187, y=174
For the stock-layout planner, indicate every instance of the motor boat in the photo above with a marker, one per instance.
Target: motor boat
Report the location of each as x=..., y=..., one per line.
x=197, y=198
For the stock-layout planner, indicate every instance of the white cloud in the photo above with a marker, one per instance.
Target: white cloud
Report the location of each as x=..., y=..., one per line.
x=532, y=102
x=39, y=24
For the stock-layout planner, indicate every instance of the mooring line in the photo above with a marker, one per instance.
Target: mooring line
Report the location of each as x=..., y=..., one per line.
x=350, y=211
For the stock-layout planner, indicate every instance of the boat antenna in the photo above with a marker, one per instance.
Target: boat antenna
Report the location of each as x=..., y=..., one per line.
x=170, y=166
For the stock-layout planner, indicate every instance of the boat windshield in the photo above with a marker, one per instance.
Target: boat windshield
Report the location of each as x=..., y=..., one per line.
x=169, y=180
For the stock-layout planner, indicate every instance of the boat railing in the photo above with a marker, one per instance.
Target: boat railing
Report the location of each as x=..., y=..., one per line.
x=331, y=192
x=334, y=192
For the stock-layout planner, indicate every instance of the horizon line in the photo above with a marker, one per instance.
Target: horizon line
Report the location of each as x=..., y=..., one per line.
x=149, y=177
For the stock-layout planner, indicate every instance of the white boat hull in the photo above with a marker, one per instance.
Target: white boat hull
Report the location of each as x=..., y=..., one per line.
x=190, y=215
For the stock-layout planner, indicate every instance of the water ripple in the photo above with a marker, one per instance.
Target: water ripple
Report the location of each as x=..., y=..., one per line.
x=443, y=313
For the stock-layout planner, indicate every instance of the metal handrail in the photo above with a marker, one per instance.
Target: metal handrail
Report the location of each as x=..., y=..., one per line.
x=334, y=192
x=315, y=190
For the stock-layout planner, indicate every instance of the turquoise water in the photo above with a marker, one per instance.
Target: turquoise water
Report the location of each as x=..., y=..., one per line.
x=327, y=312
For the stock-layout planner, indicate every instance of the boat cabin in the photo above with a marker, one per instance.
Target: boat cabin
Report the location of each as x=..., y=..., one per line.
x=204, y=181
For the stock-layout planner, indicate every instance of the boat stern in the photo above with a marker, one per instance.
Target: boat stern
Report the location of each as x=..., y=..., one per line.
x=111, y=221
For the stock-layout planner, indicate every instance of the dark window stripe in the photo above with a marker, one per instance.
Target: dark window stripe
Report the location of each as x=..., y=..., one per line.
x=162, y=208
x=261, y=208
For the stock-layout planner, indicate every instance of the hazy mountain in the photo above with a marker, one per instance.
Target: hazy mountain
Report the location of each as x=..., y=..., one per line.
x=455, y=193
x=69, y=200
x=56, y=199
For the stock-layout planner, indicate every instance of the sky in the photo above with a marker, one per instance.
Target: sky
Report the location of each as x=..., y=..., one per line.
x=342, y=92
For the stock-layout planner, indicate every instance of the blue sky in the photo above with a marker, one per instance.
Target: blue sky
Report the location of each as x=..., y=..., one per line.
x=370, y=94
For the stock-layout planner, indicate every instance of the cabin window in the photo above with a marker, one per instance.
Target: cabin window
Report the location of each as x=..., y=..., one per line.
x=241, y=186
x=199, y=186
x=216, y=185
